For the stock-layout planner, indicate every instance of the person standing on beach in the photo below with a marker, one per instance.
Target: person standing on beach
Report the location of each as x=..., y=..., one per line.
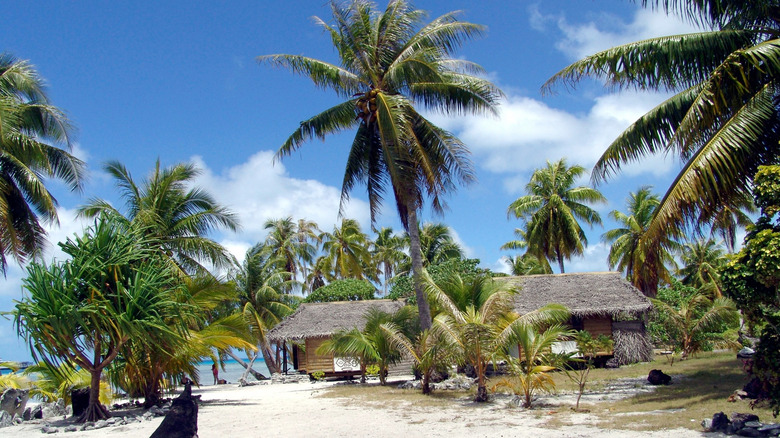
x=215, y=371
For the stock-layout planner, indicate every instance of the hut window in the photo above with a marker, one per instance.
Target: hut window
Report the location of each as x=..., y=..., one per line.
x=576, y=323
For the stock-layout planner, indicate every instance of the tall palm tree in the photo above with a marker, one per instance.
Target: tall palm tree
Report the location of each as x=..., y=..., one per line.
x=645, y=263
x=387, y=251
x=730, y=217
x=388, y=65
x=177, y=218
x=701, y=261
x=35, y=138
x=308, y=235
x=722, y=121
x=346, y=251
x=551, y=211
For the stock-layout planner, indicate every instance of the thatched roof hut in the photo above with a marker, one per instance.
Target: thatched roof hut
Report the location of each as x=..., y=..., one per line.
x=317, y=320
x=599, y=302
x=586, y=294
x=313, y=323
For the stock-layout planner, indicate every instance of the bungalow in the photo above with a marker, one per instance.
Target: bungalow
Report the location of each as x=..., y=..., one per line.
x=600, y=303
x=313, y=323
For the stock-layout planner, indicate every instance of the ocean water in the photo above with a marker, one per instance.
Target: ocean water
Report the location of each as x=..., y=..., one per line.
x=232, y=372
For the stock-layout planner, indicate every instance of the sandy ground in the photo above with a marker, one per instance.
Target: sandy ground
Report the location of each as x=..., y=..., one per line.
x=295, y=410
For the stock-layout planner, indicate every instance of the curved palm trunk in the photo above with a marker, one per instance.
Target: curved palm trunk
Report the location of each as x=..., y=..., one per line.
x=257, y=375
x=271, y=361
x=415, y=251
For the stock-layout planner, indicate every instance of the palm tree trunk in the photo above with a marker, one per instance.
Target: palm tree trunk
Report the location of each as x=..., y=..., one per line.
x=254, y=373
x=426, y=381
x=415, y=251
x=482, y=395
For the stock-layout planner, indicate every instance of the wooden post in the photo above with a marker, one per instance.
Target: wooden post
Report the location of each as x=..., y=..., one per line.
x=284, y=354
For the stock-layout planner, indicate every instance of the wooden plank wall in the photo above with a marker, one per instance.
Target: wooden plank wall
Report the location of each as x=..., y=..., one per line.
x=598, y=326
x=315, y=362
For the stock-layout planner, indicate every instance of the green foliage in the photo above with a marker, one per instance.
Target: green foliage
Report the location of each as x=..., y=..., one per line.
x=752, y=277
x=690, y=321
x=578, y=369
x=318, y=375
x=403, y=287
x=349, y=289
x=372, y=370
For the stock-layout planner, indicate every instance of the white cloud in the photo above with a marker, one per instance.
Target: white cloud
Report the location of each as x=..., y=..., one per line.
x=467, y=250
x=258, y=190
x=605, y=31
x=529, y=132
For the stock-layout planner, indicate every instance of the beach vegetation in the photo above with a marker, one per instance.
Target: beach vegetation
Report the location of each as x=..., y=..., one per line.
x=349, y=289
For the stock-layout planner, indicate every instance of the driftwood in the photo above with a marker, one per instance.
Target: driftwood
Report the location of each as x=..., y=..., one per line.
x=181, y=421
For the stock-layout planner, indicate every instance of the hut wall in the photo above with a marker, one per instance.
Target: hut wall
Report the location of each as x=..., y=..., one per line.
x=315, y=362
x=598, y=325
x=632, y=343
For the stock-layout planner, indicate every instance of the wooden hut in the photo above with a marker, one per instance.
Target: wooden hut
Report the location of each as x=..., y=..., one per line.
x=600, y=303
x=313, y=323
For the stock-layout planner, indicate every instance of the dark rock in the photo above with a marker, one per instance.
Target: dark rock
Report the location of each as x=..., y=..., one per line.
x=739, y=419
x=657, y=377
x=720, y=421
x=182, y=420
x=5, y=419
x=749, y=431
x=27, y=415
x=769, y=427
x=79, y=399
x=14, y=401
x=49, y=429
x=37, y=412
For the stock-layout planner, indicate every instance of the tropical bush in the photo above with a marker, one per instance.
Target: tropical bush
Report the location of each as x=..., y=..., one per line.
x=467, y=269
x=349, y=289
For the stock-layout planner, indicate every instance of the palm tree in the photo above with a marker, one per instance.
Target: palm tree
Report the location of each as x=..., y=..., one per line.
x=177, y=218
x=372, y=345
x=693, y=323
x=387, y=251
x=438, y=245
x=308, y=235
x=551, y=211
x=428, y=350
x=722, y=123
x=262, y=284
x=35, y=138
x=527, y=264
x=478, y=320
x=702, y=260
x=530, y=370
x=729, y=218
x=346, y=251
x=643, y=260
x=387, y=66
x=114, y=289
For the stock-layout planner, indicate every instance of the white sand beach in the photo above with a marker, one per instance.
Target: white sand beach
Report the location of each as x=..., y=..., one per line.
x=297, y=410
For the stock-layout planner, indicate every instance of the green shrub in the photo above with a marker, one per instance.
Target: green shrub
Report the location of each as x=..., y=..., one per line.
x=349, y=289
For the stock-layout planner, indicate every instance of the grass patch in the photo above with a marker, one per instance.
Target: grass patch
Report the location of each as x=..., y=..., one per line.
x=700, y=387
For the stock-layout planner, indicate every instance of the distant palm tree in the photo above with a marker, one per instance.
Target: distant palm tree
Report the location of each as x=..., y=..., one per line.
x=722, y=121
x=527, y=264
x=33, y=134
x=346, y=251
x=387, y=68
x=438, y=245
x=387, y=251
x=645, y=261
x=551, y=211
x=177, y=217
x=702, y=260
x=729, y=218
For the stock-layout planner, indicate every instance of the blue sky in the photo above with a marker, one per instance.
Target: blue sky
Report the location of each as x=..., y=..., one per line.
x=178, y=81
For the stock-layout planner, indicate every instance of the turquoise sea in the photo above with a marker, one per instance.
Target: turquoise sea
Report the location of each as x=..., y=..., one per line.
x=231, y=373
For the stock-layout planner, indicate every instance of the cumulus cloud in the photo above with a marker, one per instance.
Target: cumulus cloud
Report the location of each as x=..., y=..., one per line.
x=258, y=190
x=605, y=30
x=593, y=260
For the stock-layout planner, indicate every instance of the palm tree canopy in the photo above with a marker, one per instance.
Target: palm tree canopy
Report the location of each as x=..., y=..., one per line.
x=35, y=138
x=552, y=210
x=177, y=216
x=389, y=63
x=722, y=123
x=644, y=261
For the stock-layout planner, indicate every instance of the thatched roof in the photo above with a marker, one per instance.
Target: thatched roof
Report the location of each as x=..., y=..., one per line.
x=585, y=294
x=313, y=320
